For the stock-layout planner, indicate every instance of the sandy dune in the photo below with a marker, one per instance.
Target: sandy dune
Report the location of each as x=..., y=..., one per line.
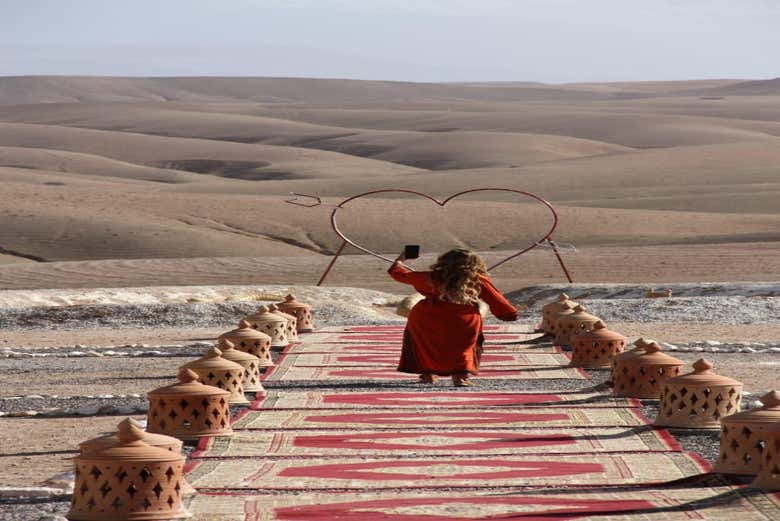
x=653, y=180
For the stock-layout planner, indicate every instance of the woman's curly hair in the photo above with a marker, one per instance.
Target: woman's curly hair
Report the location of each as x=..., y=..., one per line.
x=456, y=276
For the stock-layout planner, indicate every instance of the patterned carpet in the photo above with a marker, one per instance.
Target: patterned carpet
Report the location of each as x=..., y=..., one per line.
x=306, y=451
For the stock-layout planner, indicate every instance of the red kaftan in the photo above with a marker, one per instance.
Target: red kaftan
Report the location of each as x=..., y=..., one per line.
x=441, y=337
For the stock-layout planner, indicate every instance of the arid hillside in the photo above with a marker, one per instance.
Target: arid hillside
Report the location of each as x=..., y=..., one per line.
x=134, y=181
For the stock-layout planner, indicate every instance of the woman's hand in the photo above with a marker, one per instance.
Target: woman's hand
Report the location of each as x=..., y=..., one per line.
x=400, y=257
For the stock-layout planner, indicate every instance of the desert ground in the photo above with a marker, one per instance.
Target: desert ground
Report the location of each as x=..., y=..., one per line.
x=134, y=181
x=149, y=214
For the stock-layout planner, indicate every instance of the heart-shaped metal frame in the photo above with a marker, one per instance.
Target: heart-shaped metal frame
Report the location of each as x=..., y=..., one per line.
x=346, y=240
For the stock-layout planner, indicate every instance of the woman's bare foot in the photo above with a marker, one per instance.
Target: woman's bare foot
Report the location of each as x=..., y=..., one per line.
x=462, y=380
x=427, y=378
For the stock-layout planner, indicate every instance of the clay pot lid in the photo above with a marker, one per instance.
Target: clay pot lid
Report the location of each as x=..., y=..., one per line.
x=599, y=331
x=213, y=360
x=702, y=374
x=229, y=352
x=110, y=440
x=557, y=303
x=768, y=413
x=564, y=309
x=245, y=331
x=273, y=308
x=129, y=446
x=639, y=348
x=264, y=314
x=581, y=314
x=188, y=385
x=290, y=302
x=654, y=356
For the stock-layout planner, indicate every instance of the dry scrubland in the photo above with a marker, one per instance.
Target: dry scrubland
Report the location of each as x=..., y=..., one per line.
x=115, y=181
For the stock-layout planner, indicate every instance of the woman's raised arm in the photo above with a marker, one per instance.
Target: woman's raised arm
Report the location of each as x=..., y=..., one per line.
x=500, y=307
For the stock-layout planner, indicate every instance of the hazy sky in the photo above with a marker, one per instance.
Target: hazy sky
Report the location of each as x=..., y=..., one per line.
x=420, y=40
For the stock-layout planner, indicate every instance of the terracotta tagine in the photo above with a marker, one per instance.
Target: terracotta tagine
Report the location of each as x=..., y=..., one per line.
x=768, y=477
x=639, y=347
x=252, y=341
x=565, y=309
x=596, y=347
x=744, y=436
x=189, y=410
x=552, y=307
x=571, y=324
x=302, y=312
x=161, y=441
x=292, y=322
x=271, y=324
x=643, y=374
x=250, y=363
x=214, y=370
x=128, y=480
x=698, y=399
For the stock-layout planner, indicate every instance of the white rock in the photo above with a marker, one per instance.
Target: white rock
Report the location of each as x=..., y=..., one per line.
x=697, y=349
x=134, y=395
x=77, y=353
x=748, y=350
x=52, y=517
x=712, y=343
x=105, y=396
x=125, y=409
x=22, y=414
x=774, y=349
x=94, y=353
x=712, y=350
x=34, y=397
x=31, y=492
x=109, y=353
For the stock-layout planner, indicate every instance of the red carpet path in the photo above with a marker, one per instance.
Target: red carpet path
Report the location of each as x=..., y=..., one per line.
x=323, y=445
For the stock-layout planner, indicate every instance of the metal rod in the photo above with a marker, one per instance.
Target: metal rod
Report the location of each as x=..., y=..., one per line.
x=560, y=260
x=332, y=262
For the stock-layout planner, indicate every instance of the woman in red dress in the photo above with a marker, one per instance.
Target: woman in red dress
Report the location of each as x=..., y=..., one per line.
x=443, y=333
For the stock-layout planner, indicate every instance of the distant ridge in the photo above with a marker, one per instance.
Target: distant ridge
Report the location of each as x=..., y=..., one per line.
x=18, y=90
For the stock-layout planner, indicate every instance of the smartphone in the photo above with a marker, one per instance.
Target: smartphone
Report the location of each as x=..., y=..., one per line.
x=412, y=251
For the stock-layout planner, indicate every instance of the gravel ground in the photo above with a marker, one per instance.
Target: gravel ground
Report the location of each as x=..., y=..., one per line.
x=704, y=443
x=725, y=310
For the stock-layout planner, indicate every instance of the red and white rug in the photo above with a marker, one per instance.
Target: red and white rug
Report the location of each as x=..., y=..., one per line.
x=422, y=399
x=450, y=471
x=489, y=360
x=527, y=372
x=645, y=503
x=258, y=444
x=270, y=419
